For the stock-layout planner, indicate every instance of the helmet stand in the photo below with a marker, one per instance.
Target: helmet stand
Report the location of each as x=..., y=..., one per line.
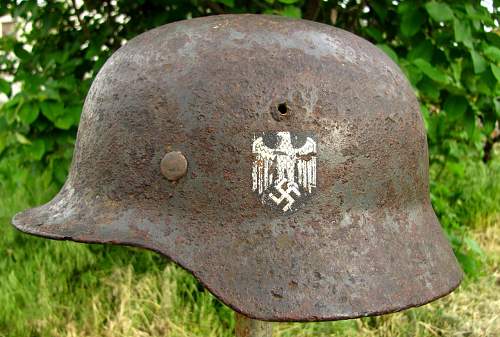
x=248, y=327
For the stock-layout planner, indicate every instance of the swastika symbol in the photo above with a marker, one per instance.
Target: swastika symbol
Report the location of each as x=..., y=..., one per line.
x=285, y=194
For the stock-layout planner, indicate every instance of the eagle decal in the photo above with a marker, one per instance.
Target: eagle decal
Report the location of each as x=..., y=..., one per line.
x=283, y=176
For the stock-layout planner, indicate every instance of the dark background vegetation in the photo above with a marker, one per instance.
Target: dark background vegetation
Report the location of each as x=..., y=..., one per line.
x=449, y=50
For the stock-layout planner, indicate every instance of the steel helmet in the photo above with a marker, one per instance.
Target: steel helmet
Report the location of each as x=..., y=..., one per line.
x=283, y=162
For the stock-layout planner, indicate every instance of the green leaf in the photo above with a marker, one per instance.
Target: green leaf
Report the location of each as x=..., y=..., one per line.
x=11, y=108
x=496, y=71
x=36, y=149
x=288, y=2
x=20, y=52
x=428, y=89
x=292, y=12
x=478, y=62
x=70, y=117
x=13, y=102
x=455, y=106
x=433, y=73
x=52, y=110
x=456, y=68
x=462, y=32
x=64, y=122
x=5, y=87
x=414, y=74
x=493, y=53
x=439, y=11
x=496, y=104
x=28, y=113
x=411, y=22
x=488, y=80
x=374, y=33
x=21, y=138
x=422, y=50
x=470, y=122
x=389, y=51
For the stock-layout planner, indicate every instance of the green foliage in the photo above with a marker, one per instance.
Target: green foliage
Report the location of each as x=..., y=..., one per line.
x=462, y=194
x=450, y=51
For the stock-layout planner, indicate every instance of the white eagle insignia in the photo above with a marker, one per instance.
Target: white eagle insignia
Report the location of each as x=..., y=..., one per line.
x=284, y=176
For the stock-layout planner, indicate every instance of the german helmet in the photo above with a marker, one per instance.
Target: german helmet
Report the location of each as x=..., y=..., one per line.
x=283, y=162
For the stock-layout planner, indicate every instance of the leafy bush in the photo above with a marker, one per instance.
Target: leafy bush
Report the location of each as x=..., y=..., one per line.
x=450, y=51
x=464, y=194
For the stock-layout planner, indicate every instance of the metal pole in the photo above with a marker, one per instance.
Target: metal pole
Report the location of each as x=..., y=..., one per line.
x=247, y=327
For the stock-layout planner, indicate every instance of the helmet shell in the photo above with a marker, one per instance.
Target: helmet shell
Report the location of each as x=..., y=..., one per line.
x=364, y=240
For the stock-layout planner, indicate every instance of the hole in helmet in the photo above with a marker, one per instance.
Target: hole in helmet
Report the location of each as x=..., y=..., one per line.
x=280, y=111
x=283, y=109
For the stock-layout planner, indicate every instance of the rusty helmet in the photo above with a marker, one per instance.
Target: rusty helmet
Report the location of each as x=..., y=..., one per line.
x=283, y=162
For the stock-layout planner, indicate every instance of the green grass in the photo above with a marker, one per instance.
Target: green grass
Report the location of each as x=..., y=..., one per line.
x=52, y=288
x=463, y=193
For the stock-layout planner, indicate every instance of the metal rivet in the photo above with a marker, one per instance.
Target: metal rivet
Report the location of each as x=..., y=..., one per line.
x=174, y=165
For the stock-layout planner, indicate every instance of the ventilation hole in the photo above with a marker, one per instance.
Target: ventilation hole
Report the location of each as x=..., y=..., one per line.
x=280, y=111
x=282, y=108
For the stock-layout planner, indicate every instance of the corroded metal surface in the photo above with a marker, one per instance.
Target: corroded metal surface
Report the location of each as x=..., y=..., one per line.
x=367, y=242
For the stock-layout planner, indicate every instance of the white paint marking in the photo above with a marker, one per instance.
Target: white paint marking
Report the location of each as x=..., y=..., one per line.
x=274, y=167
